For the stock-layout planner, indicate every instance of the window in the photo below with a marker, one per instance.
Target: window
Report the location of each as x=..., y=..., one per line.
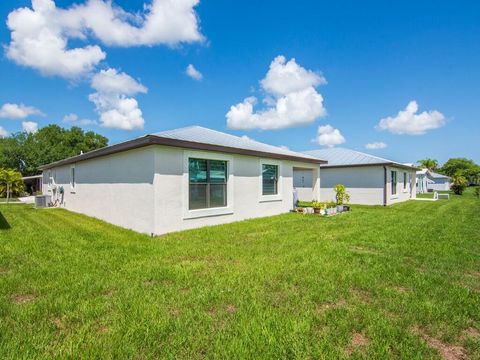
x=394, y=182
x=269, y=179
x=404, y=181
x=72, y=177
x=207, y=183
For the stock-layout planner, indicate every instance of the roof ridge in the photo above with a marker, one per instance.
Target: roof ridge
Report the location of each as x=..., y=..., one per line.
x=236, y=137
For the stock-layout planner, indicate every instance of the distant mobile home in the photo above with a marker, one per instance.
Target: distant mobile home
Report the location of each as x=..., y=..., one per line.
x=370, y=180
x=428, y=180
x=180, y=179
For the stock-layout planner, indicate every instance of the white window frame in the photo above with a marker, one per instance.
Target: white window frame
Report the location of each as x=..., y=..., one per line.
x=73, y=181
x=199, y=213
x=279, y=195
x=392, y=195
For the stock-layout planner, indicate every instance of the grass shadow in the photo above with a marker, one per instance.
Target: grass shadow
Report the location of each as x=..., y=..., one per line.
x=4, y=225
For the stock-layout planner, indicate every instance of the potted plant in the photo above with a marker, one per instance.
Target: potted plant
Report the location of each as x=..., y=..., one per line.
x=317, y=207
x=342, y=196
x=332, y=208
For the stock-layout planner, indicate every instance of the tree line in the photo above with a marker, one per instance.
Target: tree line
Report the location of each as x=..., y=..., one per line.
x=26, y=152
x=464, y=172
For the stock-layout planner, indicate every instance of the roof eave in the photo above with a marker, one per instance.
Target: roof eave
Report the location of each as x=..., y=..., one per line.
x=393, y=164
x=157, y=140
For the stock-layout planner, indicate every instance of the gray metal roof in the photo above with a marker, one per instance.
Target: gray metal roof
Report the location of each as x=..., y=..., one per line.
x=432, y=174
x=438, y=176
x=337, y=157
x=202, y=135
x=195, y=137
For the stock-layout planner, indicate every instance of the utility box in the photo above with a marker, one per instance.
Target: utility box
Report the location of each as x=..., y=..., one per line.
x=42, y=201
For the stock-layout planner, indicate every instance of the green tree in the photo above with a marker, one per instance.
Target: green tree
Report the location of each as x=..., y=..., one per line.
x=25, y=152
x=11, y=183
x=430, y=164
x=462, y=167
x=459, y=184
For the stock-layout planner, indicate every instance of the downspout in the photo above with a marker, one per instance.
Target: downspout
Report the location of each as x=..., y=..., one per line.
x=384, y=186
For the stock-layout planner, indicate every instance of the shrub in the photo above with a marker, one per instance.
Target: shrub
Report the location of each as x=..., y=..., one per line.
x=477, y=191
x=11, y=183
x=459, y=184
x=341, y=194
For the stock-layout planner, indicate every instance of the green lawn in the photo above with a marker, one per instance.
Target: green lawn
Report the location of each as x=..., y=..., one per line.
x=396, y=282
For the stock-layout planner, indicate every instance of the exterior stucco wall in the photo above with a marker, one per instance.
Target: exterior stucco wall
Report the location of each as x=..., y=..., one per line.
x=304, y=184
x=402, y=193
x=117, y=188
x=146, y=189
x=439, y=185
x=363, y=183
x=171, y=184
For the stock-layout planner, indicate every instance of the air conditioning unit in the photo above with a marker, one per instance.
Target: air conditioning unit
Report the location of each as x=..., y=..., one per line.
x=42, y=201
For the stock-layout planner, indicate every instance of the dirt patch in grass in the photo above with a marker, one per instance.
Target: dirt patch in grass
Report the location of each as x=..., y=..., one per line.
x=102, y=329
x=109, y=293
x=3, y=271
x=447, y=351
x=230, y=308
x=358, y=343
x=361, y=295
x=363, y=250
x=401, y=289
x=474, y=274
x=471, y=333
x=59, y=323
x=22, y=298
x=321, y=308
x=174, y=311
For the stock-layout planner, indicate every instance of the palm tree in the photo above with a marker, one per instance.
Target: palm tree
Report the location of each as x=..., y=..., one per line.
x=10, y=182
x=429, y=164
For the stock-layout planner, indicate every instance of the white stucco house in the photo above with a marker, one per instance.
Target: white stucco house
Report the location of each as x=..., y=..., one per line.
x=370, y=180
x=428, y=180
x=180, y=179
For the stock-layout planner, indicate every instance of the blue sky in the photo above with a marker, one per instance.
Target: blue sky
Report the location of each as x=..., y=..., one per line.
x=376, y=57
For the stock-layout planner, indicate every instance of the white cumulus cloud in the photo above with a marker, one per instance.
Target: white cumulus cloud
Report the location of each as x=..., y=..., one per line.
x=39, y=39
x=410, y=122
x=375, y=145
x=162, y=22
x=18, y=111
x=193, y=73
x=73, y=119
x=29, y=126
x=114, y=102
x=40, y=35
x=285, y=77
x=291, y=99
x=70, y=118
x=3, y=132
x=327, y=135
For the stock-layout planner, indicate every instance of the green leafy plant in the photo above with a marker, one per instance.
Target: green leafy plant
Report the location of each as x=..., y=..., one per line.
x=430, y=164
x=331, y=204
x=459, y=184
x=477, y=191
x=318, y=204
x=10, y=183
x=341, y=194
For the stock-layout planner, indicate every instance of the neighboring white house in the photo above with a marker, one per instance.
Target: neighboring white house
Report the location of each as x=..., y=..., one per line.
x=180, y=179
x=428, y=180
x=369, y=179
x=422, y=180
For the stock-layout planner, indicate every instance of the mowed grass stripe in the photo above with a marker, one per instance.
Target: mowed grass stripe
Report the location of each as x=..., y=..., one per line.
x=374, y=283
